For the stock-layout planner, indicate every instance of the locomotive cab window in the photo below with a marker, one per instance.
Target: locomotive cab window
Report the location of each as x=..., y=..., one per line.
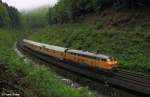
x=104, y=59
x=112, y=59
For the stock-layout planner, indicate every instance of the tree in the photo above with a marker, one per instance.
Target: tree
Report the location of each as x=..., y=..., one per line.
x=73, y=10
x=9, y=16
x=14, y=16
x=4, y=16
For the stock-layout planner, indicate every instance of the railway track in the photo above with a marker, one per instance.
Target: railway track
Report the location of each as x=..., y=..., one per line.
x=138, y=83
x=137, y=77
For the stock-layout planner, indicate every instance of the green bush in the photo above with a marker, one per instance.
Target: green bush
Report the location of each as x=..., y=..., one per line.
x=99, y=24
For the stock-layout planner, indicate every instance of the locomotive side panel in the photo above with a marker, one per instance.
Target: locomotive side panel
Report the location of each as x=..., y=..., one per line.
x=81, y=59
x=104, y=64
x=98, y=61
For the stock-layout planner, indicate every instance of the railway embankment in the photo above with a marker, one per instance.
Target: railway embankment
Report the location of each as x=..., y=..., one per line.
x=8, y=85
x=128, y=80
x=28, y=78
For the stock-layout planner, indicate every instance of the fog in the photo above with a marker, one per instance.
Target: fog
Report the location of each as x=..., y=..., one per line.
x=29, y=4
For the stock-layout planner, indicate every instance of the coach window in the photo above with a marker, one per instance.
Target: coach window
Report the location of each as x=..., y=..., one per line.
x=103, y=59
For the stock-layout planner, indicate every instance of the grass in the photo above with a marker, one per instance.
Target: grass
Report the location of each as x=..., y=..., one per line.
x=130, y=46
x=34, y=79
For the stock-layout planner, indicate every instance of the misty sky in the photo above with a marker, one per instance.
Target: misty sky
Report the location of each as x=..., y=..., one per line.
x=29, y=4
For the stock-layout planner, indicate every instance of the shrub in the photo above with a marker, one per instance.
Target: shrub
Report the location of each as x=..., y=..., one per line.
x=99, y=24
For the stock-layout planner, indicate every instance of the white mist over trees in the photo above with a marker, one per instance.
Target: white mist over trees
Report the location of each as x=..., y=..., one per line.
x=29, y=4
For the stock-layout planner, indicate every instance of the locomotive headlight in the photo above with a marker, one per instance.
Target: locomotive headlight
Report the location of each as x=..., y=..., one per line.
x=115, y=62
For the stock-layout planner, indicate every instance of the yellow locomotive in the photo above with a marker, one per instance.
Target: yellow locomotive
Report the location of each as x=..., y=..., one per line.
x=85, y=59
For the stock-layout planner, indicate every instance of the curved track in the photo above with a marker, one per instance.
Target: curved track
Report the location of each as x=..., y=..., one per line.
x=137, y=77
x=135, y=82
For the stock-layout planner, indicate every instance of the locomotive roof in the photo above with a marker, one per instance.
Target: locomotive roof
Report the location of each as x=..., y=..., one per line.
x=88, y=54
x=57, y=48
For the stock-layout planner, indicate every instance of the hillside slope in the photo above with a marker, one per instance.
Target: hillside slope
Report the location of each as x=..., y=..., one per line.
x=124, y=35
x=29, y=78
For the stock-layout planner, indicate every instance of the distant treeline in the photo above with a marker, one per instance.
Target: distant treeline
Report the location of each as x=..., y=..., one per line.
x=72, y=10
x=9, y=16
x=36, y=18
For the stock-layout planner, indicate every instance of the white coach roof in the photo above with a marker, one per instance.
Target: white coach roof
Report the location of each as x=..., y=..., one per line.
x=52, y=47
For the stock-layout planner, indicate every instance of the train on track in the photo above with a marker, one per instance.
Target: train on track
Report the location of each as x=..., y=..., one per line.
x=82, y=59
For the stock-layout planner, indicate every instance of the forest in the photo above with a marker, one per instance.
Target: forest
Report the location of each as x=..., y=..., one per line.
x=71, y=10
x=65, y=11
x=9, y=16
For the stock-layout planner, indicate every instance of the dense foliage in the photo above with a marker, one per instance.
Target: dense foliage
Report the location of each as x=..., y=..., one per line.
x=36, y=18
x=9, y=16
x=73, y=10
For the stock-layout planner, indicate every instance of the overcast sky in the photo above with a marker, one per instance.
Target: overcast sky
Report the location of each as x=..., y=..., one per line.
x=29, y=4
